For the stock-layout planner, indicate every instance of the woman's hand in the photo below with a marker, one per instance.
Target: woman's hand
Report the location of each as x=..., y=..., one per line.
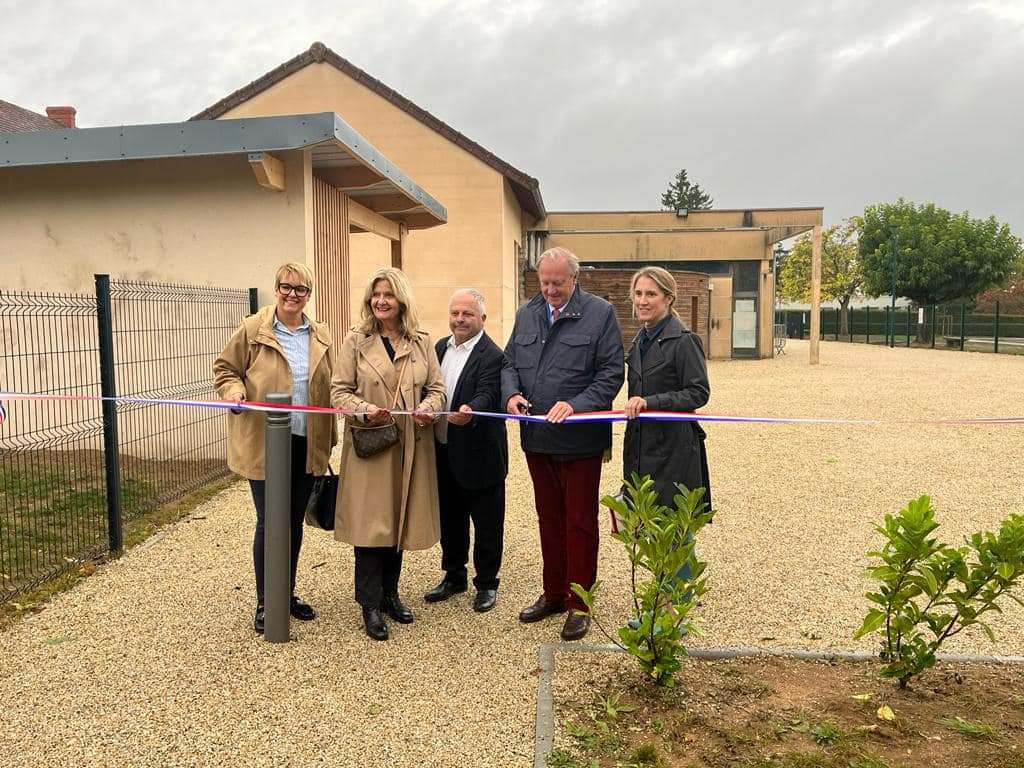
x=423, y=416
x=376, y=415
x=634, y=406
x=237, y=399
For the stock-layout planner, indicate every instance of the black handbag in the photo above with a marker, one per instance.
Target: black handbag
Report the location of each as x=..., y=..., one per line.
x=368, y=441
x=323, y=500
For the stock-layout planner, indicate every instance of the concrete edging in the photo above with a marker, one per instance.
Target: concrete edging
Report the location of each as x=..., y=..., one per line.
x=545, y=728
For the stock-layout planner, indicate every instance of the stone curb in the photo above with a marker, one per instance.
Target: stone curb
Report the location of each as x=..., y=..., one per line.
x=545, y=728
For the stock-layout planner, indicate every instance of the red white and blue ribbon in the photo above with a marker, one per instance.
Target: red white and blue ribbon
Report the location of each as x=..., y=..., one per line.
x=576, y=418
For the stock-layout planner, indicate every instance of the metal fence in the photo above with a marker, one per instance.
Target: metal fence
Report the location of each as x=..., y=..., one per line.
x=946, y=326
x=71, y=471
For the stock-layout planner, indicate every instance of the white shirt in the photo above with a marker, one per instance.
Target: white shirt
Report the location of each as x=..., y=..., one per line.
x=454, y=363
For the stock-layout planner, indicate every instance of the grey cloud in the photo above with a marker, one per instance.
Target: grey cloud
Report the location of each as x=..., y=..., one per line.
x=785, y=103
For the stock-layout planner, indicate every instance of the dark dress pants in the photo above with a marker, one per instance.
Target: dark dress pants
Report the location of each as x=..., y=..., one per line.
x=302, y=485
x=377, y=572
x=459, y=505
x=566, y=494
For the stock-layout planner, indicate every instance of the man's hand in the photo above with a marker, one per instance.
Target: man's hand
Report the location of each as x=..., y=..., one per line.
x=423, y=416
x=517, y=405
x=376, y=415
x=462, y=418
x=634, y=406
x=237, y=399
x=559, y=412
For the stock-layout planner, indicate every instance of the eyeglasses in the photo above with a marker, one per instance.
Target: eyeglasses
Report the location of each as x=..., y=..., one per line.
x=302, y=291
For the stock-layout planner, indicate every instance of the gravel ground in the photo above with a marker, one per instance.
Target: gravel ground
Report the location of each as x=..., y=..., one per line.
x=152, y=661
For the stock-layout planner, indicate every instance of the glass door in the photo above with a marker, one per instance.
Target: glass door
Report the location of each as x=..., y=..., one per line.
x=744, y=326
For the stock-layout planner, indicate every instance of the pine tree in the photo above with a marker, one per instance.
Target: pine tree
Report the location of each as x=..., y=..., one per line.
x=682, y=194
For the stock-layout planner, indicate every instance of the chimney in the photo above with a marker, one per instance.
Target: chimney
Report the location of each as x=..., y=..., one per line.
x=63, y=115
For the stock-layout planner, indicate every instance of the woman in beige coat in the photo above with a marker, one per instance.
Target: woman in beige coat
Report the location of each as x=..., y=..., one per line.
x=387, y=503
x=279, y=349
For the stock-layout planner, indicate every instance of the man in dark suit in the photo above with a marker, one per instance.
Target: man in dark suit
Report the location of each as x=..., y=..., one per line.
x=472, y=454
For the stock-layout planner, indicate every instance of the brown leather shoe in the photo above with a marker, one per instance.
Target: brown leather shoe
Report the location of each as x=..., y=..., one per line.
x=540, y=610
x=576, y=626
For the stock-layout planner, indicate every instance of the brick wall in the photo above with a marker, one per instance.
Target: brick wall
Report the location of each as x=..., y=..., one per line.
x=613, y=286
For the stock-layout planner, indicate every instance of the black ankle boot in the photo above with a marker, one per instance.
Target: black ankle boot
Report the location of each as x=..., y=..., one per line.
x=374, y=624
x=393, y=606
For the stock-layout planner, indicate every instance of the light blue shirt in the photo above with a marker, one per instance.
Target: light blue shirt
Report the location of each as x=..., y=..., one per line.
x=296, y=351
x=552, y=309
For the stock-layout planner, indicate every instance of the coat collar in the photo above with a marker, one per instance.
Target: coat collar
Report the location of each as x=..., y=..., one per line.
x=371, y=347
x=572, y=309
x=673, y=330
x=318, y=332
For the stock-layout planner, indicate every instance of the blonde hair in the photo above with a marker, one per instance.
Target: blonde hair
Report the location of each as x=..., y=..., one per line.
x=561, y=253
x=408, y=317
x=294, y=267
x=665, y=282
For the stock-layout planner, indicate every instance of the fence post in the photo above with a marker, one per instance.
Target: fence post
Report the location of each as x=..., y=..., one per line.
x=908, y=325
x=254, y=301
x=277, y=541
x=935, y=317
x=849, y=319
x=108, y=388
x=963, y=330
x=867, y=324
x=995, y=344
x=801, y=326
x=837, y=323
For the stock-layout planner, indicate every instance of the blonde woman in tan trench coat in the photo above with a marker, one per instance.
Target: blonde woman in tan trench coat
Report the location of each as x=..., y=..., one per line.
x=387, y=503
x=279, y=349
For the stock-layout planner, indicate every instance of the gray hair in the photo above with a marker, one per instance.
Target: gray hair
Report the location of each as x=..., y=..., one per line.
x=561, y=253
x=477, y=297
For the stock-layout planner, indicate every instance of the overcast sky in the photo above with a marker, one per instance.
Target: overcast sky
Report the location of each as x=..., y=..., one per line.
x=839, y=104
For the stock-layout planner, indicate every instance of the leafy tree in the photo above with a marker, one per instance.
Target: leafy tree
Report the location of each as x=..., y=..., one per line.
x=941, y=256
x=682, y=194
x=841, y=273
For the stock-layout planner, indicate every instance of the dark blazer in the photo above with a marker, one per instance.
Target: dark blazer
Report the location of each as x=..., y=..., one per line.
x=478, y=452
x=578, y=360
x=672, y=376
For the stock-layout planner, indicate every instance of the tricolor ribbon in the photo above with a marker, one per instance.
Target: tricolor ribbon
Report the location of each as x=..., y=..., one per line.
x=576, y=418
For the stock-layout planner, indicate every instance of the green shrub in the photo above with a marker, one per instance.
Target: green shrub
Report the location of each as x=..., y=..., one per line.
x=659, y=542
x=929, y=591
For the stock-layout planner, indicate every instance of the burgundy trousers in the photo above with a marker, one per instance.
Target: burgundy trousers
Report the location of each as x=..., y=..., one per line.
x=566, y=496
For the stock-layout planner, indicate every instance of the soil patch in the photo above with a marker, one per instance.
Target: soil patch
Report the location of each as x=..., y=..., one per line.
x=786, y=713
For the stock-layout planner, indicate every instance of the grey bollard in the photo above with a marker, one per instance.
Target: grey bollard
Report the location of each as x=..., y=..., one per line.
x=277, y=541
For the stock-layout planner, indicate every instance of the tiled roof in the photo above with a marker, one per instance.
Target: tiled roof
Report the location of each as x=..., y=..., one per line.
x=526, y=187
x=14, y=119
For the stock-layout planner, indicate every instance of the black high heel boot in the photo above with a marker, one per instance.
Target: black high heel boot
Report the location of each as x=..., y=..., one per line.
x=393, y=606
x=374, y=624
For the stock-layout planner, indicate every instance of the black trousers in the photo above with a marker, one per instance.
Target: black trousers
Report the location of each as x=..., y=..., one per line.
x=377, y=572
x=302, y=485
x=459, y=505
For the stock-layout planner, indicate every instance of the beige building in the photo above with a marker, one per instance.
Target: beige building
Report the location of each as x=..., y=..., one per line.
x=207, y=222
x=211, y=203
x=734, y=247
x=490, y=204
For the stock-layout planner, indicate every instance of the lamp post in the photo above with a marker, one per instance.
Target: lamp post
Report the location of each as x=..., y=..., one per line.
x=892, y=312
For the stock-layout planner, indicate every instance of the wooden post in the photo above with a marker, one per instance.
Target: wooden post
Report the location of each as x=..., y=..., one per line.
x=397, y=246
x=816, y=295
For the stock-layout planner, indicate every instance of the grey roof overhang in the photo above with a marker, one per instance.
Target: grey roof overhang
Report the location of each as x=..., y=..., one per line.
x=336, y=146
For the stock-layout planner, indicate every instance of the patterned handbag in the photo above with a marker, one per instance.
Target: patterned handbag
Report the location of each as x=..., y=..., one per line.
x=368, y=441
